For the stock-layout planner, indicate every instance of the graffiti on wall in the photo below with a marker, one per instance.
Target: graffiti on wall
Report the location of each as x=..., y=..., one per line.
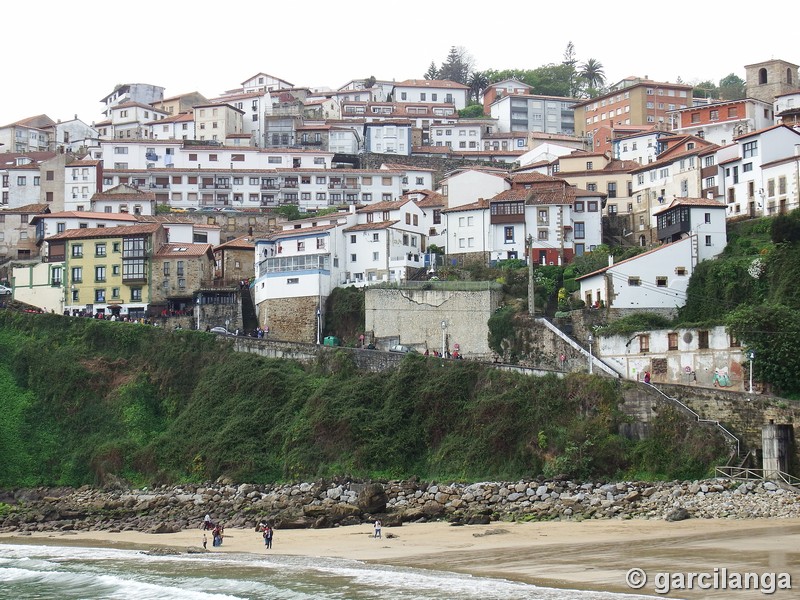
x=721, y=377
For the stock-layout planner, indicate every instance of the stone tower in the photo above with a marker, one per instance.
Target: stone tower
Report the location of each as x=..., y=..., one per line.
x=768, y=79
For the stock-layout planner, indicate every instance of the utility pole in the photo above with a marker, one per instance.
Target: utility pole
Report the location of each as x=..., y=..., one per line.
x=531, y=311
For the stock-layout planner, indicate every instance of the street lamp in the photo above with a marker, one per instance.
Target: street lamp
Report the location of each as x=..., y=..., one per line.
x=198, y=312
x=444, y=336
x=319, y=325
x=751, y=355
x=591, y=339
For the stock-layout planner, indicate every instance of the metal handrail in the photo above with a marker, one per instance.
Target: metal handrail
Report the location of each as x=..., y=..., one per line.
x=699, y=419
x=747, y=473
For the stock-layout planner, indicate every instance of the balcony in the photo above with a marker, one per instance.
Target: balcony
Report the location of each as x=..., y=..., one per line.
x=270, y=186
x=338, y=185
x=135, y=278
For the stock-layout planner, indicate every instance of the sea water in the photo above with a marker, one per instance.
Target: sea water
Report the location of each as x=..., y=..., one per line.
x=54, y=572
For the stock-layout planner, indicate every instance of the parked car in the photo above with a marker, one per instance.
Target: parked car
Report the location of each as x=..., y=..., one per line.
x=401, y=348
x=221, y=331
x=5, y=290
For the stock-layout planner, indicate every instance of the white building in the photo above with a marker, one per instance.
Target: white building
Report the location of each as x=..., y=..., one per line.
x=741, y=177
x=142, y=93
x=685, y=356
x=131, y=120
x=386, y=242
x=33, y=134
x=692, y=230
x=782, y=189
x=431, y=90
x=548, y=114
x=463, y=136
x=388, y=137
x=214, y=122
x=466, y=186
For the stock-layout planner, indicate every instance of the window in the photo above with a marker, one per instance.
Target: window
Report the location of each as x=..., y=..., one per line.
x=634, y=281
x=702, y=340
x=579, y=206
x=100, y=249
x=77, y=250
x=714, y=115
x=99, y=274
x=750, y=149
x=708, y=240
x=580, y=231
x=166, y=269
x=708, y=217
x=21, y=180
x=612, y=189
x=591, y=205
x=672, y=341
x=508, y=234
x=99, y=295
x=644, y=343
x=589, y=165
x=661, y=282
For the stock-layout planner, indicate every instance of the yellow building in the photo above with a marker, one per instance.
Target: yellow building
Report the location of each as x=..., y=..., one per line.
x=107, y=270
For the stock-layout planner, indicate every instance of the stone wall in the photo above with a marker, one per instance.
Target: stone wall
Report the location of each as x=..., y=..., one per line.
x=466, y=314
x=345, y=502
x=290, y=319
x=742, y=414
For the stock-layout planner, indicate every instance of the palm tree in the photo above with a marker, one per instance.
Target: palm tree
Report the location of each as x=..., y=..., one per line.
x=592, y=72
x=477, y=82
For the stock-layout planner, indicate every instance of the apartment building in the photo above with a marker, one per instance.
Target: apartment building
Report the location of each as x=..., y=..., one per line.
x=541, y=114
x=500, y=89
x=632, y=101
x=436, y=91
x=214, y=122
x=721, y=122
x=33, y=134
x=141, y=93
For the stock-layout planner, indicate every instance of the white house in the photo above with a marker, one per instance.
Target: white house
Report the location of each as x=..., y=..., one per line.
x=466, y=186
x=640, y=146
x=782, y=189
x=705, y=357
x=175, y=127
x=263, y=81
x=52, y=223
x=548, y=114
x=387, y=241
x=123, y=198
x=463, y=136
x=75, y=136
x=467, y=230
x=691, y=230
x=132, y=120
x=431, y=90
x=741, y=177
x=295, y=271
x=655, y=279
x=388, y=137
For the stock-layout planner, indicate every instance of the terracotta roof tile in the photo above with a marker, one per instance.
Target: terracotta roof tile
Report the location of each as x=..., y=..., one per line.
x=371, y=226
x=105, y=232
x=179, y=250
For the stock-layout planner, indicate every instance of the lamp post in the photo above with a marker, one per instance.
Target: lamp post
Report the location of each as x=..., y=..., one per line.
x=444, y=335
x=198, y=312
x=319, y=326
x=591, y=339
x=751, y=355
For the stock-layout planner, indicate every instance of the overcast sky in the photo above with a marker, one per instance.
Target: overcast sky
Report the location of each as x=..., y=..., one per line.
x=63, y=57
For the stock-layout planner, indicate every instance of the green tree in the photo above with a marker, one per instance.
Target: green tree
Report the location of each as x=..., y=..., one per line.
x=369, y=81
x=477, y=82
x=571, y=63
x=473, y=111
x=731, y=87
x=432, y=72
x=552, y=80
x=772, y=332
x=458, y=66
x=705, y=89
x=593, y=74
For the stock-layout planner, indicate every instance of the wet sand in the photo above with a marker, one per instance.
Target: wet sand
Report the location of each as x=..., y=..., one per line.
x=593, y=555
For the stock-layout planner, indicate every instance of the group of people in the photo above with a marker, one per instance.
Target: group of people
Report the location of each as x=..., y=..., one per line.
x=217, y=531
x=267, y=533
x=436, y=354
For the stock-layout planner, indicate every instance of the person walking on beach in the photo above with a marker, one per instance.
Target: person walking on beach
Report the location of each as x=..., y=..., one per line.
x=207, y=522
x=377, y=529
x=205, y=542
x=268, y=537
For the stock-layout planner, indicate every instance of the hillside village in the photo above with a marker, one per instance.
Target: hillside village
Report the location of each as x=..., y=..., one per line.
x=175, y=210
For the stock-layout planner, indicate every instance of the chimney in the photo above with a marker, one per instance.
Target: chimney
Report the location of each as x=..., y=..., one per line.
x=610, y=260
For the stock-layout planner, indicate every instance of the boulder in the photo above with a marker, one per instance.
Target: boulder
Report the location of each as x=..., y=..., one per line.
x=679, y=514
x=372, y=499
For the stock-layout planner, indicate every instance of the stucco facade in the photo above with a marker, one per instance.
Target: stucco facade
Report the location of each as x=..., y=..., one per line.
x=465, y=315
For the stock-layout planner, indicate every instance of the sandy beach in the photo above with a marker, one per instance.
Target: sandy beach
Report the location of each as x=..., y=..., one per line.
x=593, y=555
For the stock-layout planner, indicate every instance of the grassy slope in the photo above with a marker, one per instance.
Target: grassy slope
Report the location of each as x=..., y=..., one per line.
x=83, y=399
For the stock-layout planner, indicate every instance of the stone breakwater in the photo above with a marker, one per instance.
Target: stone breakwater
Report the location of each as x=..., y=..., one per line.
x=338, y=503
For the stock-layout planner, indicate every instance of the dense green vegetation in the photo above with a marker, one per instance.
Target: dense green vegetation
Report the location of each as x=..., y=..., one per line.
x=85, y=401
